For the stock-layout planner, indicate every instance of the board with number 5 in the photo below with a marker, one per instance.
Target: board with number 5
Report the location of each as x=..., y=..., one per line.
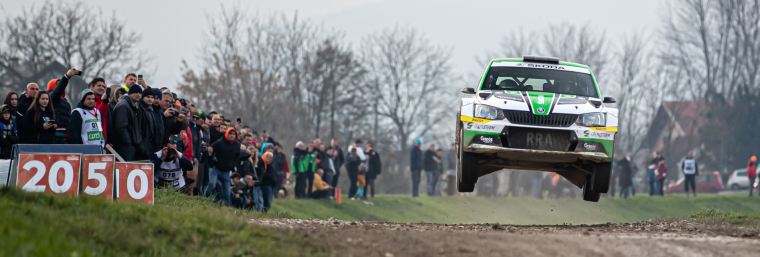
x=97, y=175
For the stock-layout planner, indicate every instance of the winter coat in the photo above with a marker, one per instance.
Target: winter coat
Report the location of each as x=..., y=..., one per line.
x=148, y=129
x=430, y=161
x=751, y=169
x=34, y=133
x=416, y=158
x=302, y=161
x=375, y=167
x=105, y=114
x=625, y=178
x=662, y=171
x=226, y=154
x=268, y=175
x=8, y=138
x=352, y=165
x=126, y=124
x=245, y=166
x=60, y=103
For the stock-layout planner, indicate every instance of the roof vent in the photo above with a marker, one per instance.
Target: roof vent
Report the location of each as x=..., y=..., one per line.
x=539, y=59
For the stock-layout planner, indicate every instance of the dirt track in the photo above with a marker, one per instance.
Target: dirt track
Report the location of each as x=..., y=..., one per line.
x=677, y=238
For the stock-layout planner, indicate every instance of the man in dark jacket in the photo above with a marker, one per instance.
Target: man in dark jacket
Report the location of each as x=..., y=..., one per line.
x=338, y=159
x=24, y=102
x=127, y=139
x=224, y=155
x=415, y=165
x=174, y=119
x=61, y=105
x=84, y=126
x=625, y=177
x=149, y=128
x=374, y=168
x=431, y=170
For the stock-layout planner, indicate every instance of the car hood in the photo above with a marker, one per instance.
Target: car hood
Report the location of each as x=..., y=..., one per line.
x=540, y=103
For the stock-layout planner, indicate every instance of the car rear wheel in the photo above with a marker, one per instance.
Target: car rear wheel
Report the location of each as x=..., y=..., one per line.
x=588, y=192
x=466, y=166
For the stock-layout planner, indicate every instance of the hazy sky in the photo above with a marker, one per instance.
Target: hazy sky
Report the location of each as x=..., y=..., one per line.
x=172, y=30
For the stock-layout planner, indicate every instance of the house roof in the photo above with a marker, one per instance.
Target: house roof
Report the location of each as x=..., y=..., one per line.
x=688, y=116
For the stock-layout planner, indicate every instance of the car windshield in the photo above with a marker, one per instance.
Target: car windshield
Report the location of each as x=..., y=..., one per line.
x=541, y=80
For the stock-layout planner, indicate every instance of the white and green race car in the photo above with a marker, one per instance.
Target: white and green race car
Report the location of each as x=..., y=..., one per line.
x=537, y=113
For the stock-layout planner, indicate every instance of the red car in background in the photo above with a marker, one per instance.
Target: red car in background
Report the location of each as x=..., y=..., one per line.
x=709, y=182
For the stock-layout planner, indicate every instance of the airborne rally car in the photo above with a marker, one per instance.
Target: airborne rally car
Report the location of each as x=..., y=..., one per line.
x=537, y=113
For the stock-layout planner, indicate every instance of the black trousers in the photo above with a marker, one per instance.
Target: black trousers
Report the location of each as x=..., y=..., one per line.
x=300, y=187
x=310, y=182
x=690, y=182
x=352, y=178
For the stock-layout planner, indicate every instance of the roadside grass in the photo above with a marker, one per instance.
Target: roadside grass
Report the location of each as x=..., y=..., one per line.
x=521, y=210
x=36, y=224
x=714, y=215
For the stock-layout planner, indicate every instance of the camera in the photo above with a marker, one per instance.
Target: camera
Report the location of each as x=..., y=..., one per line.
x=79, y=73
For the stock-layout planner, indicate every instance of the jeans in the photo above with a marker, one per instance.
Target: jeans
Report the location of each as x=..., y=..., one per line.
x=267, y=193
x=258, y=200
x=751, y=184
x=432, y=183
x=659, y=184
x=223, y=177
x=689, y=182
x=415, y=183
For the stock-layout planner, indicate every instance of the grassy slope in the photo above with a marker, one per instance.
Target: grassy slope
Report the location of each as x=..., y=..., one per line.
x=518, y=210
x=40, y=225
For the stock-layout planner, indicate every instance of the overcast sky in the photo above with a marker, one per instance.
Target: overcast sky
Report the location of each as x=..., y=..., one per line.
x=172, y=30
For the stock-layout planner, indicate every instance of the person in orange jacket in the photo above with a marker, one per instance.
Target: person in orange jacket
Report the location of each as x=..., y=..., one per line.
x=752, y=173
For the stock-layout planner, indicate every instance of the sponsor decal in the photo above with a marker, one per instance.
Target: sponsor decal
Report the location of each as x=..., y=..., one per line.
x=590, y=147
x=599, y=135
x=474, y=120
x=605, y=129
x=487, y=140
x=484, y=127
x=542, y=66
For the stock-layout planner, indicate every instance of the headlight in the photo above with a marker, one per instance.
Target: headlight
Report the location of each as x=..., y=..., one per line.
x=597, y=119
x=486, y=112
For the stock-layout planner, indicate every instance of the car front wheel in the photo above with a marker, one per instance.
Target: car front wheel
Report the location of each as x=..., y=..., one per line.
x=466, y=165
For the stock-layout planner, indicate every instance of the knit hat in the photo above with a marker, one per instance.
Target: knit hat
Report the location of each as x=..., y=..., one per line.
x=418, y=141
x=5, y=108
x=147, y=92
x=84, y=94
x=52, y=84
x=156, y=92
x=227, y=134
x=135, y=88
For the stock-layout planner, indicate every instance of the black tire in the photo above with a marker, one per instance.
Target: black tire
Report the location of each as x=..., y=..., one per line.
x=588, y=192
x=601, y=177
x=466, y=166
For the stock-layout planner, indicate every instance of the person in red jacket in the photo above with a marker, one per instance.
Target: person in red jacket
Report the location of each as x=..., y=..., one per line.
x=752, y=173
x=662, y=174
x=98, y=86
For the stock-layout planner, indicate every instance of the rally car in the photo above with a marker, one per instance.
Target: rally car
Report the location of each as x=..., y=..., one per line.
x=537, y=113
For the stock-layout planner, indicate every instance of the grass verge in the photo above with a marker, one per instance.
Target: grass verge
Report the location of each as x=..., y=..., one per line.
x=41, y=225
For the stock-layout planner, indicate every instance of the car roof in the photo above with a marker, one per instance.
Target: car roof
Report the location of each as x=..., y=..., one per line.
x=496, y=60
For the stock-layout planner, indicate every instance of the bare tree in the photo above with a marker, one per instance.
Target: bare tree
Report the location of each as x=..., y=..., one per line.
x=410, y=78
x=72, y=33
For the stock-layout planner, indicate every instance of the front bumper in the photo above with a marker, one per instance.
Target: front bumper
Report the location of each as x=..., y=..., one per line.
x=542, y=156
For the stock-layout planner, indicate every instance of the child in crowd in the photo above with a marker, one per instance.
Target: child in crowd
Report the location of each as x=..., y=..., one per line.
x=238, y=191
x=361, y=182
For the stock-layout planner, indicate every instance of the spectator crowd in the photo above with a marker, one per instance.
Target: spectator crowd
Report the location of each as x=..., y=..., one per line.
x=195, y=152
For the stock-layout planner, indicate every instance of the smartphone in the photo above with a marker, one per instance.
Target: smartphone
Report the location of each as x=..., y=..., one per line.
x=239, y=120
x=139, y=76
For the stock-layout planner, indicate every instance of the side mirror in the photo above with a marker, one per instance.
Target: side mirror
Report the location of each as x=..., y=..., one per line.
x=609, y=100
x=468, y=90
